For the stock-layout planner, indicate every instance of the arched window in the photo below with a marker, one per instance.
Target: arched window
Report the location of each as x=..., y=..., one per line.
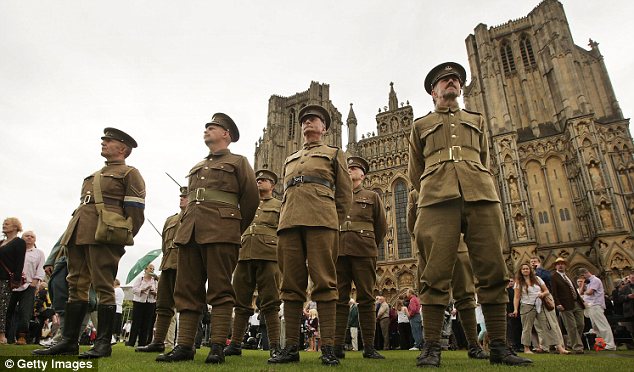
x=528, y=58
x=567, y=213
x=381, y=244
x=508, y=63
x=541, y=217
x=291, y=124
x=545, y=217
x=562, y=216
x=400, y=207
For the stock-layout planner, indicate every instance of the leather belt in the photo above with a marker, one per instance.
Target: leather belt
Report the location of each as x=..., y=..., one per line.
x=254, y=229
x=90, y=199
x=356, y=226
x=453, y=153
x=202, y=194
x=296, y=180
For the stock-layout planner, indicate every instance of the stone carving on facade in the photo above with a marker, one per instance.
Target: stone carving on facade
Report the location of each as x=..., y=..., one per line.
x=606, y=216
x=595, y=175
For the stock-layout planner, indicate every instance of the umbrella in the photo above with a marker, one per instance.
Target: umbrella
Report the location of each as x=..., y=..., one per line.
x=141, y=264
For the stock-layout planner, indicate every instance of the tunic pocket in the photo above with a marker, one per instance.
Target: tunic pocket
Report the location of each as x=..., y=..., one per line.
x=433, y=139
x=471, y=134
x=230, y=213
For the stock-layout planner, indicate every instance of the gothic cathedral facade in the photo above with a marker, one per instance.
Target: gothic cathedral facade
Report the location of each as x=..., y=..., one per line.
x=561, y=151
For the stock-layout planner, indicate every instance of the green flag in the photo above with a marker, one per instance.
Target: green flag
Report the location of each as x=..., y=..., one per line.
x=141, y=264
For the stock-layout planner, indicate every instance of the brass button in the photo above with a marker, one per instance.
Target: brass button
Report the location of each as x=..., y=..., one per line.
x=255, y=215
x=451, y=114
x=452, y=136
x=208, y=167
x=202, y=178
x=197, y=202
x=453, y=125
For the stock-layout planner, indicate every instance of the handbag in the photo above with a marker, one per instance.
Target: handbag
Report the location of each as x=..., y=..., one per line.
x=13, y=282
x=112, y=228
x=549, y=302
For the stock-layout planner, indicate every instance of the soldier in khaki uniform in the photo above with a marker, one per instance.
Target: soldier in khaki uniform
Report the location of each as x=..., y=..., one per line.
x=93, y=263
x=462, y=283
x=222, y=201
x=257, y=266
x=449, y=158
x=317, y=195
x=360, y=234
x=167, y=281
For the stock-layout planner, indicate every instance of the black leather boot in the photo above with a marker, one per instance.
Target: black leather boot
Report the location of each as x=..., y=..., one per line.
x=178, y=354
x=289, y=354
x=216, y=354
x=105, y=321
x=328, y=357
x=233, y=349
x=476, y=352
x=273, y=351
x=430, y=355
x=371, y=353
x=154, y=347
x=339, y=352
x=502, y=354
x=69, y=345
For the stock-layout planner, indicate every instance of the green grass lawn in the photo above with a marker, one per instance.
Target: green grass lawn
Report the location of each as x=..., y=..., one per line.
x=125, y=359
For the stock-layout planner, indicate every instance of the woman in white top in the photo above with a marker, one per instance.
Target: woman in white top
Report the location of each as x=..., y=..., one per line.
x=143, y=306
x=404, y=329
x=529, y=292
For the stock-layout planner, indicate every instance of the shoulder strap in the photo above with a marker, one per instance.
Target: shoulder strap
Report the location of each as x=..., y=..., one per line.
x=96, y=188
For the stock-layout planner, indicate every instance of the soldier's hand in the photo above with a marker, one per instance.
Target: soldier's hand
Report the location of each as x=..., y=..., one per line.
x=560, y=307
x=48, y=270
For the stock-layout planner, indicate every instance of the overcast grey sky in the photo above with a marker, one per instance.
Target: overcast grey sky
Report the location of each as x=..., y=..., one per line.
x=159, y=69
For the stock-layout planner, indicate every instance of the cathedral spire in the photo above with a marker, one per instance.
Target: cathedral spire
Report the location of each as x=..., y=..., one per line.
x=393, y=105
x=352, y=130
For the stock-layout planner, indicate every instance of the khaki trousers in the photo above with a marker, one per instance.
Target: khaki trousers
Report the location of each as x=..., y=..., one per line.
x=573, y=321
x=438, y=229
x=96, y=266
x=304, y=251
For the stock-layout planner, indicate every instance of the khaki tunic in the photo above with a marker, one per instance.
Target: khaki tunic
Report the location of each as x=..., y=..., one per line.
x=457, y=195
x=361, y=232
x=123, y=191
x=209, y=231
x=309, y=221
x=442, y=181
x=312, y=204
x=170, y=253
x=167, y=281
x=259, y=241
x=257, y=262
x=367, y=208
x=214, y=221
x=91, y=263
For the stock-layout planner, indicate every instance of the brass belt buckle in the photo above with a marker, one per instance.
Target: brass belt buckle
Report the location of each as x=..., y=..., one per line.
x=455, y=153
x=298, y=179
x=200, y=197
x=86, y=199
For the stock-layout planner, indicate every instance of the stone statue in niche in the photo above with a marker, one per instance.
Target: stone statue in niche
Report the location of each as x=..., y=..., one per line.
x=515, y=195
x=389, y=162
x=595, y=176
x=521, y=228
x=606, y=216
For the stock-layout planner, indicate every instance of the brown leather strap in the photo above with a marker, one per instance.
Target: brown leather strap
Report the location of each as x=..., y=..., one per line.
x=453, y=153
x=356, y=226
